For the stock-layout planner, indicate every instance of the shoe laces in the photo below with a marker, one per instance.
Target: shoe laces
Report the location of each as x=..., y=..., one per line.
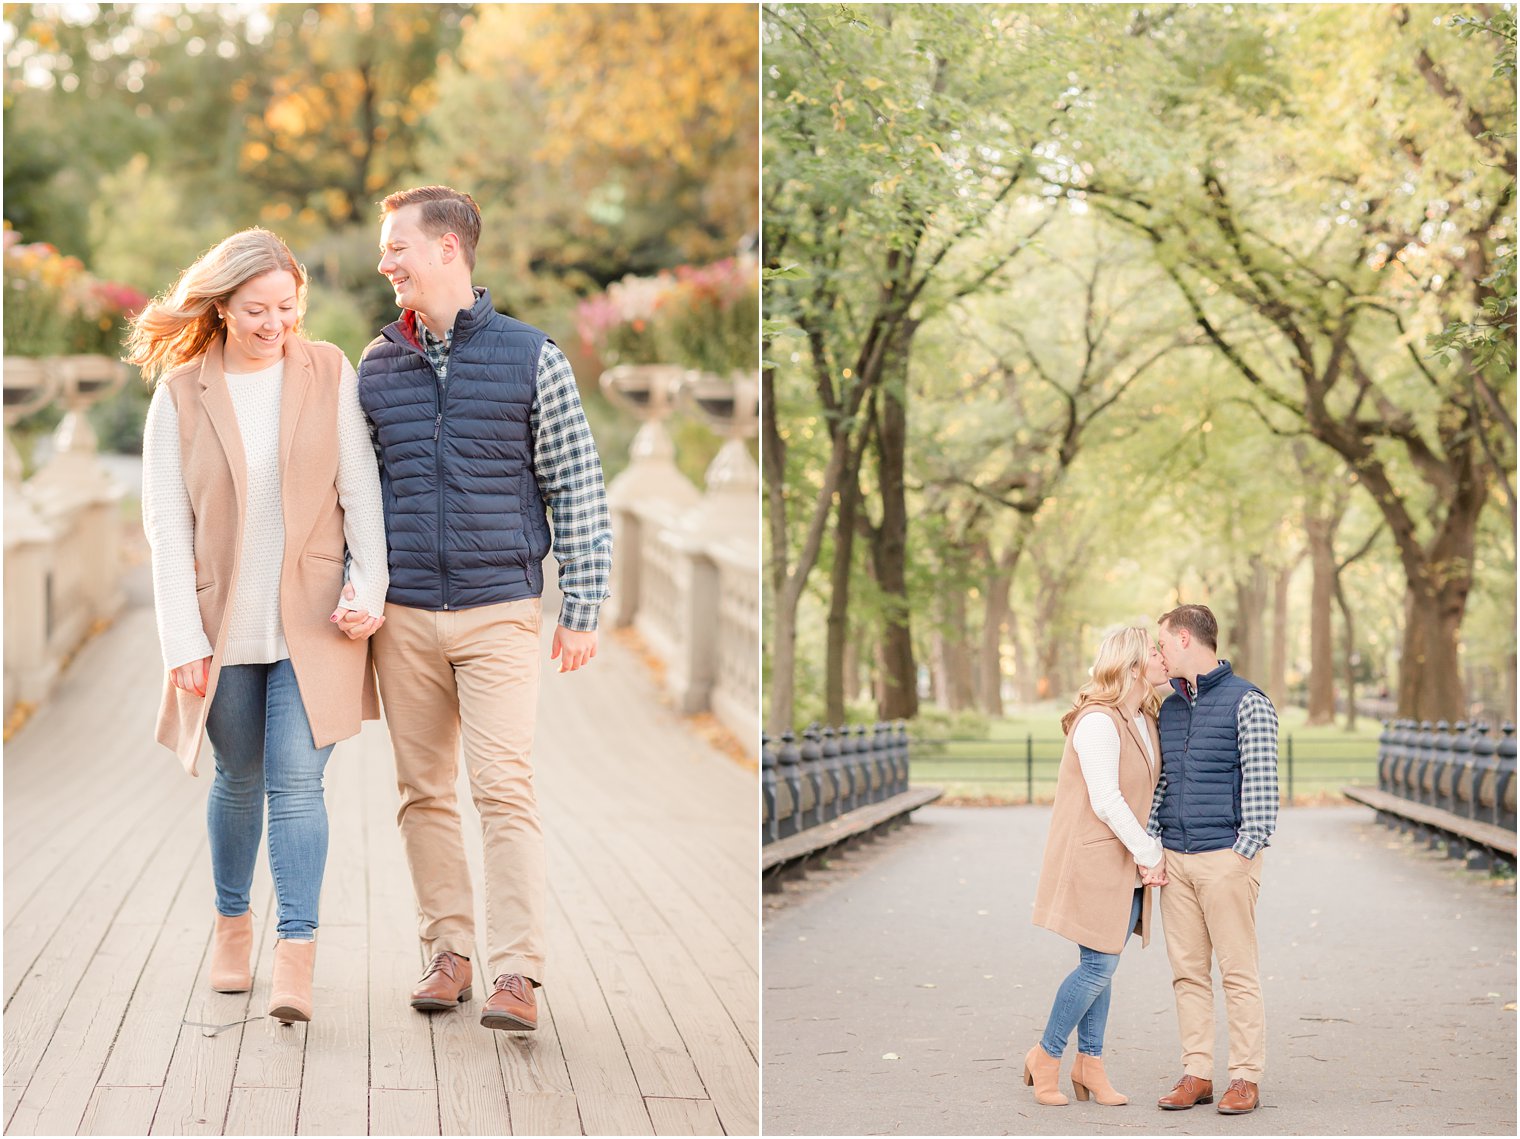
x=1240, y=1086
x=513, y=983
x=441, y=963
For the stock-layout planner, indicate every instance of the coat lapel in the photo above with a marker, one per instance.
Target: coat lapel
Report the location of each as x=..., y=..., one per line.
x=217, y=401
x=1145, y=753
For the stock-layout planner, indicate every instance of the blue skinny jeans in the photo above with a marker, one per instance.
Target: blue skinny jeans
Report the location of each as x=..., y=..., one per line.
x=263, y=746
x=1083, y=998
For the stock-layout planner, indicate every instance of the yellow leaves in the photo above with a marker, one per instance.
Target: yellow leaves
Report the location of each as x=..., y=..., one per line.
x=286, y=115
x=871, y=83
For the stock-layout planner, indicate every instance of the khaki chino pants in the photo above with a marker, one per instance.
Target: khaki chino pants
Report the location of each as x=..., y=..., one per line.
x=1208, y=910
x=470, y=673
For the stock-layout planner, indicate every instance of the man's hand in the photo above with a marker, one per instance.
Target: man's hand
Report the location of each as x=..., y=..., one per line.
x=572, y=648
x=192, y=677
x=355, y=624
x=1153, y=876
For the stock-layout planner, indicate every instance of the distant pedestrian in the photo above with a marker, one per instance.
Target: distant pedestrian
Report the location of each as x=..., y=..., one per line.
x=257, y=476
x=1098, y=857
x=1215, y=810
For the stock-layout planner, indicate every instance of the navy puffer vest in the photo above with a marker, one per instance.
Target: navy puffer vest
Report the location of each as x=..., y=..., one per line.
x=1200, y=755
x=463, y=516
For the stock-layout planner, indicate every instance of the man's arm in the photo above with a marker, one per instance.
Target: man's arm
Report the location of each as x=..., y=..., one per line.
x=1153, y=824
x=569, y=474
x=1256, y=723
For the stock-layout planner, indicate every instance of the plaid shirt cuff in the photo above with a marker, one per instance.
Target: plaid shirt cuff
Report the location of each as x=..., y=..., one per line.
x=579, y=616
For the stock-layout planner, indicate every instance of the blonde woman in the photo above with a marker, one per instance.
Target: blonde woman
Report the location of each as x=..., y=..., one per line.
x=257, y=472
x=1098, y=857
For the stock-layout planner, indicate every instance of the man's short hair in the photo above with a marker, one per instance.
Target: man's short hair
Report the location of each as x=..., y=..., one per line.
x=1197, y=620
x=444, y=210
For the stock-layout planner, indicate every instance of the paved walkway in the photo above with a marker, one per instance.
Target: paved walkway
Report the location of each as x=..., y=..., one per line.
x=649, y=1018
x=904, y=984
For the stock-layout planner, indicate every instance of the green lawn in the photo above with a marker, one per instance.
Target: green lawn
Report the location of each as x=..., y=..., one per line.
x=1019, y=758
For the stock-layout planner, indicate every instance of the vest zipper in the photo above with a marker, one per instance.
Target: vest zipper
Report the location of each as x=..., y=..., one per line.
x=443, y=569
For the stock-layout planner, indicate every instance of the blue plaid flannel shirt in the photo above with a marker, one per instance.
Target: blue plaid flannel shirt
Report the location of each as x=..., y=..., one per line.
x=1256, y=727
x=569, y=475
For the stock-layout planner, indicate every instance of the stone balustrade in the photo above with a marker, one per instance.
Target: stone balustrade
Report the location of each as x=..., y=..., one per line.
x=63, y=525
x=685, y=559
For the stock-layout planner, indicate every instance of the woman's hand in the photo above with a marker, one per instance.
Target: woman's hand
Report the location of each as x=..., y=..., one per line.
x=355, y=624
x=192, y=677
x=1153, y=876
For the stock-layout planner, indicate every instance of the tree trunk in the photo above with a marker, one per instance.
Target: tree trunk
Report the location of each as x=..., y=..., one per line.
x=838, y=621
x=1277, y=670
x=899, y=673
x=1348, y=655
x=1430, y=680
x=954, y=653
x=852, y=668
x=1320, y=531
x=1250, y=605
x=999, y=581
x=1026, y=671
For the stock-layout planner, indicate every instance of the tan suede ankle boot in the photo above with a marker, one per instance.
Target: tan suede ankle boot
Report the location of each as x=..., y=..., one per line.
x=290, y=987
x=1088, y=1076
x=231, y=950
x=1042, y=1071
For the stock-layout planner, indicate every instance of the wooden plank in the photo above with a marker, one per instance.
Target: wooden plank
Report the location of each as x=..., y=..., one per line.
x=403, y=1111
x=50, y=978
x=726, y=970
x=120, y=1111
x=712, y=1043
x=848, y=825
x=595, y=1059
x=400, y=1038
x=653, y=1044
x=1480, y=832
x=56, y=1099
x=472, y=1097
x=167, y=992
x=198, y=1085
x=262, y=1111
x=684, y=1117
x=335, y=1083
x=546, y=1113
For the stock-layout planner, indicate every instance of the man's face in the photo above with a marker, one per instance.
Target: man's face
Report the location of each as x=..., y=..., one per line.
x=1173, y=644
x=410, y=259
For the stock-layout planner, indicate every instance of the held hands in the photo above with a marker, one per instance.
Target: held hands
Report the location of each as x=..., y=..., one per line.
x=572, y=648
x=192, y=677
x=355, y=624
x=1154, y=876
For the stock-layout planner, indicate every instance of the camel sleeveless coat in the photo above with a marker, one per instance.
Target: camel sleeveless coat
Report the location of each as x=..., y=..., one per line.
x=333, y=673
x=1087, y=878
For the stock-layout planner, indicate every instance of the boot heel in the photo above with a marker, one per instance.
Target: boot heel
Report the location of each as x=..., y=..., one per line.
x=465, y=994
x=1081, y=1091
x=1028, y=1079
x=1206, y=1099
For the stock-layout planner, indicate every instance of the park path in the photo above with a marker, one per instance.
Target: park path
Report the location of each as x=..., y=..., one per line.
x=1389, y=977
x=649, y=1016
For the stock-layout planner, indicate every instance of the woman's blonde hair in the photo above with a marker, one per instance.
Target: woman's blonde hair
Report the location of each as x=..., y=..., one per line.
x=182, y=323
x=1122, y=649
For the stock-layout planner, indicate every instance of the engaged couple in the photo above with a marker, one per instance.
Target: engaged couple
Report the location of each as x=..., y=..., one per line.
x=1179, y=794
x=314, y=527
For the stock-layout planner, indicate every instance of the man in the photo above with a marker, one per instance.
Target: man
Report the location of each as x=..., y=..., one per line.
x=1214, y=810
x=481, y=438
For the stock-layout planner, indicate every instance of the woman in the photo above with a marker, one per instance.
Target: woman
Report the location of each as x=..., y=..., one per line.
x=1090, y=891
x=257, y=469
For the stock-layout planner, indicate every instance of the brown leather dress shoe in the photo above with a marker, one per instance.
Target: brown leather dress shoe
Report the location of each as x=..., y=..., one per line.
x=445, y=984
x=511, y=1006
x=1186, y=1092
x=1242, y=1098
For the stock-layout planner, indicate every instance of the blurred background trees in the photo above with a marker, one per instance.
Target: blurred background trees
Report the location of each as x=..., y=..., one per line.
x=1175, y=303
x=600, y=141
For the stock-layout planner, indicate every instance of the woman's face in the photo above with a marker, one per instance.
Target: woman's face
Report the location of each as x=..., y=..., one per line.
x=259, y=316
x=1155, y=669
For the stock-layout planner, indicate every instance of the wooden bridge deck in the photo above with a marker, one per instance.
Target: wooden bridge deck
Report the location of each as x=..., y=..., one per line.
x=649, y=1017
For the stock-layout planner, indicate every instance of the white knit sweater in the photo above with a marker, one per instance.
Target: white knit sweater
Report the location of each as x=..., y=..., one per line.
x=255, y=635
x=1096, y=739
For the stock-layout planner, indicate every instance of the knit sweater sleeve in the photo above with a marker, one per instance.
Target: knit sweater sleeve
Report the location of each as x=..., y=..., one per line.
x=1097, y=744
x=359, y=493
x=169, y=524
